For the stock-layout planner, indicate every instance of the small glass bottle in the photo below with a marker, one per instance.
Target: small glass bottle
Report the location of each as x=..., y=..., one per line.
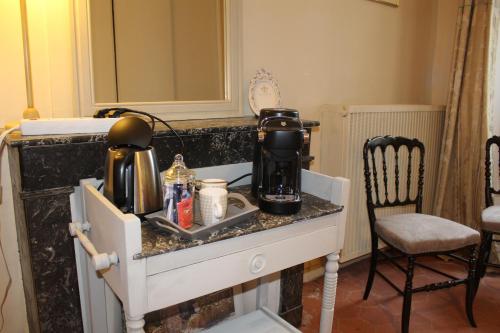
x=178, y=193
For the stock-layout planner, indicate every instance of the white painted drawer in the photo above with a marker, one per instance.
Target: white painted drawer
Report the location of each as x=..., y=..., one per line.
x=177, y=259
x=190, y=281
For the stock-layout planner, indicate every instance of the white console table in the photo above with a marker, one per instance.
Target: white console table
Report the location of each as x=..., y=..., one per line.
x=145, y=282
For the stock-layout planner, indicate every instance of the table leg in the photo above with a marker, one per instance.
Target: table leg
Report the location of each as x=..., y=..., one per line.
x=135, y=324
x=329, y=292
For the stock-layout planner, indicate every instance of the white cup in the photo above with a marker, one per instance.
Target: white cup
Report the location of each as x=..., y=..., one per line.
x=213, y=205
x=213, y=182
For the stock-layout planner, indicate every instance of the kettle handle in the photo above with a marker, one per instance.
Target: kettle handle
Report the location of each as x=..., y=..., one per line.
x=121, y=161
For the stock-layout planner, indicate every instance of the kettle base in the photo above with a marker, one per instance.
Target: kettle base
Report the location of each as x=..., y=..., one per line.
x=279, y=208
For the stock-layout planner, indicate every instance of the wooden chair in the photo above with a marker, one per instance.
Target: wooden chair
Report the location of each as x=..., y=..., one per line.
x=415, y=234
x=491, y=215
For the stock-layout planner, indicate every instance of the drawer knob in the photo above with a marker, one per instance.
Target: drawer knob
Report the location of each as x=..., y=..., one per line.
x=257, y=263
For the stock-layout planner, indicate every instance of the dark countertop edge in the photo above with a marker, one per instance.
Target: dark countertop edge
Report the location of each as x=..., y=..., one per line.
x=182, y=127
x=338, y=209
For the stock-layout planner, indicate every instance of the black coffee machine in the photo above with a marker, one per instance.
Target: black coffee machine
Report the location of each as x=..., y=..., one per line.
x=277, y=161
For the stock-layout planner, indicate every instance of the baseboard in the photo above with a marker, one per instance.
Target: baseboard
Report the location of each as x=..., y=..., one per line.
x=317, y=272
x=313, y=274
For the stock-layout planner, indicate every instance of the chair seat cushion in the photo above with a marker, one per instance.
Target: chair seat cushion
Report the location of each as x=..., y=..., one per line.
x=491, y=219
x=421, y=233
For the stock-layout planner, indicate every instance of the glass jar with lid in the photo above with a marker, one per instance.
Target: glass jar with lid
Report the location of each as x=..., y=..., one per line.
x=178, y=193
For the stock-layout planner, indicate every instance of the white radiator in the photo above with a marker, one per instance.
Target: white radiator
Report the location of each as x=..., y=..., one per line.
x=344, y=130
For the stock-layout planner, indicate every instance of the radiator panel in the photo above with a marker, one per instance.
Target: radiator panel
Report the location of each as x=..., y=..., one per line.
x=344, y=129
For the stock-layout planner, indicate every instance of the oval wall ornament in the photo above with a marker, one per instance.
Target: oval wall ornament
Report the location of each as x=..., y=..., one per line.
x=263, y=92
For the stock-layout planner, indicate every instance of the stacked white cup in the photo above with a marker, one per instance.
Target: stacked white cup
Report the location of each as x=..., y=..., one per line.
x=213, y=200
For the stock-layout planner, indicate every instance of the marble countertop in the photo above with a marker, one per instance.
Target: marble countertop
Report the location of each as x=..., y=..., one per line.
x=155, y=241
x=183, y=127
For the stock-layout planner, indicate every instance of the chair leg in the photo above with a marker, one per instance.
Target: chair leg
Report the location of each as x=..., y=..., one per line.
x=484, y=253
x=471, y=286
x=405, y=318
x=373, y=266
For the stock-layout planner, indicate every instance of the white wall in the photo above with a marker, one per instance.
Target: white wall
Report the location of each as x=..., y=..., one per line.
x=13, y=102
x=349, y=52
x=321, y=51
x=12, y=84
x=51, y=33
x=443, y=52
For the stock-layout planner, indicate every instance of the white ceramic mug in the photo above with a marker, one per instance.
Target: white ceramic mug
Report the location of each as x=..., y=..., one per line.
x=213, y=205
x=213, y=182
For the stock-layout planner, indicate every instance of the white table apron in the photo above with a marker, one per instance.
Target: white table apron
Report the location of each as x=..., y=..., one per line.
x=152, y=283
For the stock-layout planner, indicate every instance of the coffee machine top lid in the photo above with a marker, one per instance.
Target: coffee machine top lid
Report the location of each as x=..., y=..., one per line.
x=278, y=112
x=130, y=131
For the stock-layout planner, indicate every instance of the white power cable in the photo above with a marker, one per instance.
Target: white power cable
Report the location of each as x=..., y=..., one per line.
x=9, y=283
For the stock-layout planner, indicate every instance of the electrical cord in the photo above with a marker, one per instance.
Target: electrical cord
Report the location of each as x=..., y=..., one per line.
x=9, y=279
x=117, y=112
x=239, y=178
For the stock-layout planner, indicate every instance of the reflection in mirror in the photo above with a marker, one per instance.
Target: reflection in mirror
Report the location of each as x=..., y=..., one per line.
x=157, y=50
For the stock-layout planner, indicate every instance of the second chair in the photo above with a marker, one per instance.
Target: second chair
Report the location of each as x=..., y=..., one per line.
x=415, y=234
x=491, y=214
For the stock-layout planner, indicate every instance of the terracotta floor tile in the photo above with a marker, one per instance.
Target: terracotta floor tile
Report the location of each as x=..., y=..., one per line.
x=438, y=311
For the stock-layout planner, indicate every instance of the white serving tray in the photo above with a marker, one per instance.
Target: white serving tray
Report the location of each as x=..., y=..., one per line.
x=259, y=321
x=234, y=215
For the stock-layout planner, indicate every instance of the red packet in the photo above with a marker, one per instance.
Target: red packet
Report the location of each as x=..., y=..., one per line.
x=185, y=213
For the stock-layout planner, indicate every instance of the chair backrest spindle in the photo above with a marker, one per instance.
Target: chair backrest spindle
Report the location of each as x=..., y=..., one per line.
x=408, y=180
x=396, y=173
x=384, y=168
x=375, y=178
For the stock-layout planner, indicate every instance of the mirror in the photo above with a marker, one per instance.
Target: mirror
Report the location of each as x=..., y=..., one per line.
x=157, y=50
x=178, y=58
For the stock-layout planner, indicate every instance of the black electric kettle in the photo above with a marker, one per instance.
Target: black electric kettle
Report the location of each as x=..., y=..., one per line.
x=131, y=175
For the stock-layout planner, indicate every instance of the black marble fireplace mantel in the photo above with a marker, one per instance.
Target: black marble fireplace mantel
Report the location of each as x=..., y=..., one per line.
x=45, y=170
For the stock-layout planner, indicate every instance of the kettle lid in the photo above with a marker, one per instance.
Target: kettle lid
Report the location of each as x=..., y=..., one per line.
x=130, y=131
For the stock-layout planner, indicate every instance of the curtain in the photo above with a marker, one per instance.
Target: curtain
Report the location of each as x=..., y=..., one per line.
x=460, y=188
x=494, y=72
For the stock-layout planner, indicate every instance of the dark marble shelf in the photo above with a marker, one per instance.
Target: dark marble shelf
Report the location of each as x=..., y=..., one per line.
x=182, y=127
x=155, y=241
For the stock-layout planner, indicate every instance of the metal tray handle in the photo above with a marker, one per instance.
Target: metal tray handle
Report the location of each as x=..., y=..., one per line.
x=240, y=197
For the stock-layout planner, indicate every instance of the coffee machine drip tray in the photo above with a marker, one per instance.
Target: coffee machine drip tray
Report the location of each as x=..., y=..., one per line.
x=281, y=197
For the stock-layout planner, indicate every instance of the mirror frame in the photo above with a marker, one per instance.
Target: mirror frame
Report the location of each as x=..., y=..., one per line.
x=168, y=110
